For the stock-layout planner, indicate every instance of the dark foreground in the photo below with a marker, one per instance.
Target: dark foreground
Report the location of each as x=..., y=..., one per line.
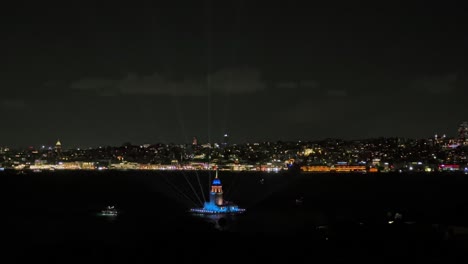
x=53, y=217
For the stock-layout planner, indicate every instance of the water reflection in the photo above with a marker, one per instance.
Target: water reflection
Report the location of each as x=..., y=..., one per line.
x=221, y=222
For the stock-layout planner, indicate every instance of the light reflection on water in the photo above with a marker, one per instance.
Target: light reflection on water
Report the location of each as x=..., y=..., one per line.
x=222, y=222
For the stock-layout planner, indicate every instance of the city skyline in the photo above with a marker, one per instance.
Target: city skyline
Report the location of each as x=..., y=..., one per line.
x=220, y=141
x=224, y=141
x=281, y=71
x=439, y=153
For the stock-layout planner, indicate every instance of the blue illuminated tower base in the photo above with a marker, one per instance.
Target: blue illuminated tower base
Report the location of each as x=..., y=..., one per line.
x=214, y=209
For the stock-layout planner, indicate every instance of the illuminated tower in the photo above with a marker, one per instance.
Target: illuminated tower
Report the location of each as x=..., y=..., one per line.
x=216, y=203
x=463, y=132
x=216, y=194
x=58, y=147
x=195, y=141
x=225, y=140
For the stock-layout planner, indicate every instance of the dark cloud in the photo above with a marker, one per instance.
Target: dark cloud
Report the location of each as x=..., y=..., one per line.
x=441, y=84
x=13, y=104
x=287, y=85
x=337, y=93
x=227, y=81
x=309, y=84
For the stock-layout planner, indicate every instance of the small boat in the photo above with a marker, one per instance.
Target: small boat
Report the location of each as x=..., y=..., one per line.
x=109, y=211
x=300, y=201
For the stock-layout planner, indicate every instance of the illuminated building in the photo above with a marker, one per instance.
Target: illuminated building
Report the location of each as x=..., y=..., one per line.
x=194, y=141
x=58, y=150
x=216, y=193
x=463, y=132
x=449, y=167
x=58, y=147
x=334, y=168
x=225, y=140
x=216, y=203
x=316, y=168
x=348, y=168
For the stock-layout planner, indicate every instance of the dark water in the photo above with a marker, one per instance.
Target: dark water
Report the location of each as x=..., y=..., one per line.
x=54, y=216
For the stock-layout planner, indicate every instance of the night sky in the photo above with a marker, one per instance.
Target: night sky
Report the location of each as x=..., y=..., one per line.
x=91, y=76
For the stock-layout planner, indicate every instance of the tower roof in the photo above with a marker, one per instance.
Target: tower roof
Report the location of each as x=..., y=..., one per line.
x=58, y=143
x=216, y=180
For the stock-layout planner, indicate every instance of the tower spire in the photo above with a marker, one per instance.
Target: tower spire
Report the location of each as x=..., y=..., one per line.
x=216, y=177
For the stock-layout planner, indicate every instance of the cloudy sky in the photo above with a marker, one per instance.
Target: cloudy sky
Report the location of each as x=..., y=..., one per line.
x=285, y=70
